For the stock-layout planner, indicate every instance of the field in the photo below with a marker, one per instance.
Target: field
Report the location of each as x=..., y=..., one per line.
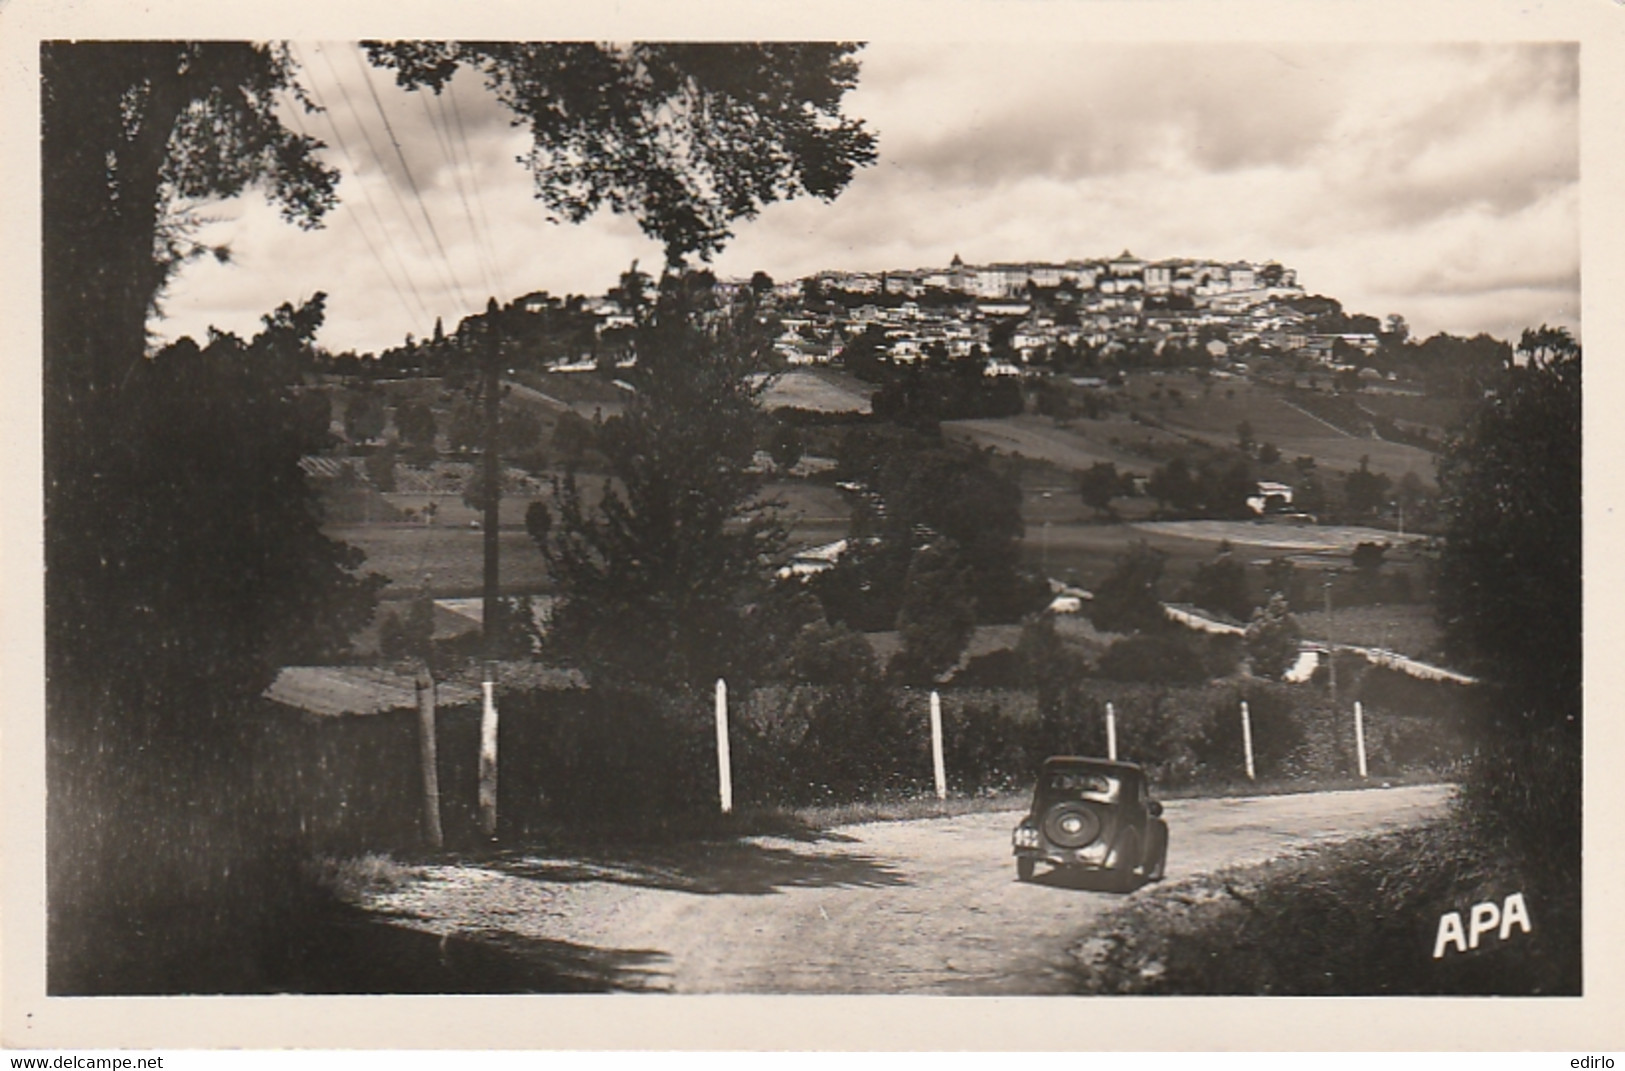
x=821, y=390
x=1186, y=408
x=451, y=551
x=1074, y=448
x=1215, y=413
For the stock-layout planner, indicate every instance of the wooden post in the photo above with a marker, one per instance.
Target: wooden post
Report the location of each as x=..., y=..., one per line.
x=488, y=753
x=1359, y=737
x=1247, y=738
x=428, y=758
x=725, y=786
x=1111, y=733
x=938, y=769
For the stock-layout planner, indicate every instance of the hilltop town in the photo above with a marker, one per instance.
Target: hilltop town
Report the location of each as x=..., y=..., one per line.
x=1016, y=317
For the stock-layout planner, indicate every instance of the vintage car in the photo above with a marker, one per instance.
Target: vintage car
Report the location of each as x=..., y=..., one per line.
x=1093, y=814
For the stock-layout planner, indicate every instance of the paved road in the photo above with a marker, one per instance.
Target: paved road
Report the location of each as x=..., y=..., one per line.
x=893, y=907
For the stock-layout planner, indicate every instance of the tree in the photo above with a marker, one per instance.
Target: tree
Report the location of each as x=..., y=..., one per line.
x=1366, y=491
x=1221, y=585
x=938, y=614
x=132, y=134
x=415, y=422
x=190, y=583
x=1173, y=485
x=519, y=429
x=1509, y=596
x=364, y=415
x=573, y=436
x=538, y=522
x=1161, y=658
x=1272, y=638
x=467, y=430
x=655, y=582
x=1510, y=487
x=1127, y=599
x=1099, y=484
x=381, y=467
x=686, y=137
x=785, y=445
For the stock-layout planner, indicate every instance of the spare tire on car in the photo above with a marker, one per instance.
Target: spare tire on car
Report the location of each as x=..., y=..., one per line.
x=1070, y=824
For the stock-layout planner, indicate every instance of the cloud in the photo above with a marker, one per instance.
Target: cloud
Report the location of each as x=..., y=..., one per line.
x=1436, y=181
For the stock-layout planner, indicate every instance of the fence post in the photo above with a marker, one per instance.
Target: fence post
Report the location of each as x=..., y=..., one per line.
x=937, y=767
x=725, y=785
x=428, y=758
x=1359, y=737
x=488, y=753
x=1247, y=738
x=1111, y=733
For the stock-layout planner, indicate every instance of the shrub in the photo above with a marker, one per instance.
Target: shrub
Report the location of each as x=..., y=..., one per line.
x=1167, y=658
x=1277, y=732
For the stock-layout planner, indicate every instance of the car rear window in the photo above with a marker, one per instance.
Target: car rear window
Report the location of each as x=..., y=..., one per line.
x=1078, y=781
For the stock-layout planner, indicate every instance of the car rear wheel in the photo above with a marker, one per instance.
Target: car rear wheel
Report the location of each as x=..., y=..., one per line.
x=1024, y=869
x=1071, y=825
x=1121, y=876
x=1156, y=864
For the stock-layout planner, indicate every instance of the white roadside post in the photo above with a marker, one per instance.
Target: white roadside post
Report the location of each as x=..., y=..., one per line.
x=1111, y=733
x=426, y=757
x=488, y=753
x=1247, y=737
x=937, y=768
x=1359, y=737
x=725, y=784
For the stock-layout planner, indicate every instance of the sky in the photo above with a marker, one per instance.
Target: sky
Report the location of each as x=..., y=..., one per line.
x=1436, y=182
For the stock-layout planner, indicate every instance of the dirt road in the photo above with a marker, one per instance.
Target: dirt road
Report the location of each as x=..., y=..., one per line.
x=894, y=907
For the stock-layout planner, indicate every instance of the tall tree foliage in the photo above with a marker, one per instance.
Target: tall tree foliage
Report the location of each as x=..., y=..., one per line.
x=1128, y=599
x=688, y=138
x=133, y=134
x=1510, y=483
x=204, y=567
x=1509, y=596
x=657, y=581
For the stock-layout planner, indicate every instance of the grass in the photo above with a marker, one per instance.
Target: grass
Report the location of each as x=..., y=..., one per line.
x=1358, y=918
x=1410, y=629
x=352, y=880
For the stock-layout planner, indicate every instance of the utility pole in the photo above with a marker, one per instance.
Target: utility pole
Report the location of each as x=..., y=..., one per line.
x=493, y=608
x=1331, y=647
x=492, y=473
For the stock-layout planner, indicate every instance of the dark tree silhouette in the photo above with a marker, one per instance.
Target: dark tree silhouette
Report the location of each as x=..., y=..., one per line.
x=938, y=614
x=1511, y=488
x=1509, y=600
x=1127, y=600
x=1099, y=484
x=655, y=582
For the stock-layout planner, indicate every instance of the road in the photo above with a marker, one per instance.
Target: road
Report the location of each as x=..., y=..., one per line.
x=924, y=906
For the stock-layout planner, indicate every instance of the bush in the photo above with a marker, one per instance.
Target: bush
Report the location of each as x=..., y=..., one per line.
x=1151, y=658
x=1278, y=731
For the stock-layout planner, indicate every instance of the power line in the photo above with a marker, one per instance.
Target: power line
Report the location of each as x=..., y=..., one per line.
x=366, y=189
x=443, y=139
x=400, y=155
x=460, y=139
x=378, y=158
x=293, y=106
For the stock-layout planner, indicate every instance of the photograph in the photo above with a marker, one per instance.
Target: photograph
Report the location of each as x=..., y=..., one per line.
x=758, y=514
